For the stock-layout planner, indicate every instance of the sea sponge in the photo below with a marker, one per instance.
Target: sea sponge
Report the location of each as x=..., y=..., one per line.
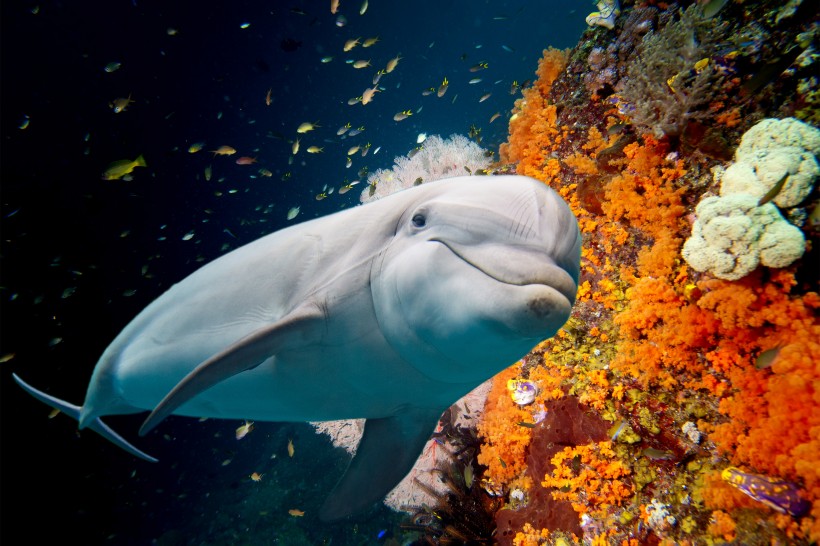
x=770, y=150
x=732, y=235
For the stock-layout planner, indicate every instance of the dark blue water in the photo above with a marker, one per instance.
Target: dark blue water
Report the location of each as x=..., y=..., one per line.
x=81, y=256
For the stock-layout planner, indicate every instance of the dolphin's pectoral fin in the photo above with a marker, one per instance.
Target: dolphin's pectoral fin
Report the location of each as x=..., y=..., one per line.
x=386, y=453
x=74, y=412
x=245, y=354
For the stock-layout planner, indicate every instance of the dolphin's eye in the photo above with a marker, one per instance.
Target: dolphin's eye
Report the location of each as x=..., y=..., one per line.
x=419, y=220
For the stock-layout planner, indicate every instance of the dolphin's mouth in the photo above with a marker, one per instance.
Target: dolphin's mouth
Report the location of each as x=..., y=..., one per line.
x=547, y=273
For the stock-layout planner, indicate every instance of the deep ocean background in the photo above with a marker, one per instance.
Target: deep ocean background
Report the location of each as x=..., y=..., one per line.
x=82, y=256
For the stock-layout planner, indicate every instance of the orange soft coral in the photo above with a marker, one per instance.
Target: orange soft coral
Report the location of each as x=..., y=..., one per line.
x=590, y=476
x=505, y=442
x=533, y=124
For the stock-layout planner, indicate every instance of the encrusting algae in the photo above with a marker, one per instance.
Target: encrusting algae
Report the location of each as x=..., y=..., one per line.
x=701, y=432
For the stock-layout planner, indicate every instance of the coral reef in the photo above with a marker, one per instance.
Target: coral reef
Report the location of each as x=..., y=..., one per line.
x=437, y=158
x=768, y=152
x=732, y=235
x=675, y=375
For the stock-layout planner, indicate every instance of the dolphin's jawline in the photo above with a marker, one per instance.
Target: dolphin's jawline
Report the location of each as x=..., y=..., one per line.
x=526, y=282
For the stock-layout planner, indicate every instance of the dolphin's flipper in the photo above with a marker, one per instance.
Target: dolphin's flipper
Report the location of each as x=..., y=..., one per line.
x=74, y=412
x=386, y=453
x=245, y=354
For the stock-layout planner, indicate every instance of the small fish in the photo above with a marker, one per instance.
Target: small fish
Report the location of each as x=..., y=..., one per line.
x=469, y=475
x=370, y=41
x=119, y=105
x=485, y=97
x=391, y=64
x=350, y=44
x=208, y=172
x=479, y=66
x=442, y=88
x=295, y=147
x=320, y=196
x=6, y=357
x=361, y=64
x=314, y=150
x=495, y=116
x=418, y=181
x=291, y=450
x=617, y=429
x=296, y=513
x=366, y=149
x=188, y=236
x=347, y=187
x=353, y=149
x=526, y=424
x=293, y=212
x=326, y=60
x=341, y=20
x=421, y=138
x=195, y=147
x=53, y=413
x=118, y=169
x=256, y=476
x=112, y=67
x=245, y=160
x=267, y=97
x=24, y=123
x=307, y=126
x=402, y=115
x=363, y=9
x=244, y=429
x=243, y=26
x=474, y=81
x=223, y=150
x=266, y=173
x=356, y=131
x=354, y=100
x=343, y=129
x=334, y=6
x=368, y=94
x=772, y=193
x=658, y=454
x=766, y=358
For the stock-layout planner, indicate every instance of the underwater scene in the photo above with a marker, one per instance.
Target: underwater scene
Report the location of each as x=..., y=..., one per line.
x=662, y=156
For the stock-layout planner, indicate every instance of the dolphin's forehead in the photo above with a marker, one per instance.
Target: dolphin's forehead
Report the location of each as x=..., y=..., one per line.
x=510, y=209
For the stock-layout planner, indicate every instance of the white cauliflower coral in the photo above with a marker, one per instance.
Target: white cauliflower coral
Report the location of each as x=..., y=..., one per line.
x=732, y=235
x=770, y=150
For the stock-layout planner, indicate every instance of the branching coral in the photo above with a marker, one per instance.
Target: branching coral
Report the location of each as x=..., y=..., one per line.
x=665, y=85
x=439, y=158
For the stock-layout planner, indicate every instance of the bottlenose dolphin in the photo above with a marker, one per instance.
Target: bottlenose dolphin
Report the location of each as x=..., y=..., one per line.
x=389, y=311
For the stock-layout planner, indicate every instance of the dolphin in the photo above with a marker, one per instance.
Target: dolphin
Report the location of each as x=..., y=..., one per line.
x=389, y=311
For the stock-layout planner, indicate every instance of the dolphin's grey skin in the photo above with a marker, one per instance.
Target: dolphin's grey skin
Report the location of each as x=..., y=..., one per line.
x=389, y=311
